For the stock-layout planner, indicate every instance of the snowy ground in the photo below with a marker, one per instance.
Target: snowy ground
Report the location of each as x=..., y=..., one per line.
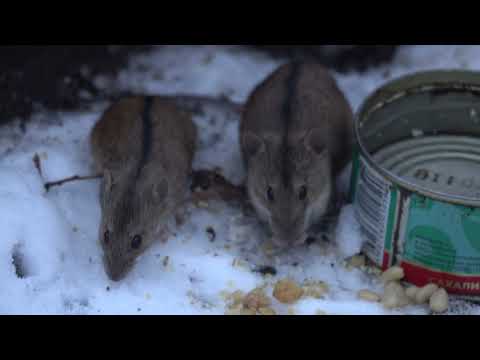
x=54, y=236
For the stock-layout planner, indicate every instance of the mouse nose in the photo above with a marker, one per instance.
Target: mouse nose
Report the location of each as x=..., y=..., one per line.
x=116, y=272
x=289, y=235
x=289, y=241
x=116, y=276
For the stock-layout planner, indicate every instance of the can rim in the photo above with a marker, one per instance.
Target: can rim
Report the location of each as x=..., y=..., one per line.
x=405, y=86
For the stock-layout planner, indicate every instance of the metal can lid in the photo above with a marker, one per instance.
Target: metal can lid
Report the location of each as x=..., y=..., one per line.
x=422, y=133
x=448, y=165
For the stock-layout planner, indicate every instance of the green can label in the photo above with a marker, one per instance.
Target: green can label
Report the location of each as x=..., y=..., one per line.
x=434, y=241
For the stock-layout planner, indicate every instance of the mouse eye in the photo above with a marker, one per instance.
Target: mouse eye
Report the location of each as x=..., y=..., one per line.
x=136, y=242
x=270, y=195
x=106, y=237
x=303, y=193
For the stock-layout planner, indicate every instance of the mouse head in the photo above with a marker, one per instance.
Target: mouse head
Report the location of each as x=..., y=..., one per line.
x=132, y=210
x=289, y=188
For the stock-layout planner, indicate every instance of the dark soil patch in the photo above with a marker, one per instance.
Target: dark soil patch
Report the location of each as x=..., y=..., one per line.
x=55, y=76
x=59, y=77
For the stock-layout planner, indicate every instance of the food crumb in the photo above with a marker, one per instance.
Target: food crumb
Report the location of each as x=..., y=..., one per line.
x=287, y=291
x=356, y=262
x=315, y=289
x=267, y=311
x=369, y=296
x=256, y=299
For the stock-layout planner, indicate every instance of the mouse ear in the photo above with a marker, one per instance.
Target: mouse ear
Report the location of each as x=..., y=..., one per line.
x=315, y=142
x=252, y=144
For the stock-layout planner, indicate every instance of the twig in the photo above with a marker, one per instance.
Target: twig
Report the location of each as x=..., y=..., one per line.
x=49, y=185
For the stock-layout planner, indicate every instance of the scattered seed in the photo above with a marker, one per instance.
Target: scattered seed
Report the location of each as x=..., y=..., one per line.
x=439, y=301
x=267, y=311
x=316, y=290
x=425, y=293
x=369, y=296
x=394, y=296
x=237, y=297
x=248, y=312
x=412, y=292
x=256, y=299
x=395, y=273
x=356, y=261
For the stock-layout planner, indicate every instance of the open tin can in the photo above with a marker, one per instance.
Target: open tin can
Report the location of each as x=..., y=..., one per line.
x=416, y=179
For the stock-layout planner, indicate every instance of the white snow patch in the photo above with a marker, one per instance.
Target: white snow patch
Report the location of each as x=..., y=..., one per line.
x=52, y=238
x=347, y=236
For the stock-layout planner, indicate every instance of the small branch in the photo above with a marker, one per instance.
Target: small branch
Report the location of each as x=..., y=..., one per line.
x=49, y=185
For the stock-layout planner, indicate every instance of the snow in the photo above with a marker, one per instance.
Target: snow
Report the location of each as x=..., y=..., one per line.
x=53, y=236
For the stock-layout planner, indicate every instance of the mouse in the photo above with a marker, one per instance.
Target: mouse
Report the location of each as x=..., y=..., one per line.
x=143, y=148
x=296, y=137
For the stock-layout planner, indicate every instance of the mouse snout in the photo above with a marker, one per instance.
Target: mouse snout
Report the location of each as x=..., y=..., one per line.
x=116, y=270
x=288, y=233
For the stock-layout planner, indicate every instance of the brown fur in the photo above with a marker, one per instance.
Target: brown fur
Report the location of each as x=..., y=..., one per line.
x=139, y=194
x=296, y=133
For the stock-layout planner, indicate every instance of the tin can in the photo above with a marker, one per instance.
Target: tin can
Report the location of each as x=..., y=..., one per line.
x=416, y=179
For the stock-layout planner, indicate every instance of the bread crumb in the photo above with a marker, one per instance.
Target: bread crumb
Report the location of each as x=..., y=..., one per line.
x=395, y=273
x=316, y=290
x=439, y=301
x=287, y=292
x=266, y=311
x=256, y=299
x=369, y=296
x=356, y=262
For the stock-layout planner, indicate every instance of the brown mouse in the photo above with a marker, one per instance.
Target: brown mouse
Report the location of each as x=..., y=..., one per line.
x=296, y=136
x=144, y=148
